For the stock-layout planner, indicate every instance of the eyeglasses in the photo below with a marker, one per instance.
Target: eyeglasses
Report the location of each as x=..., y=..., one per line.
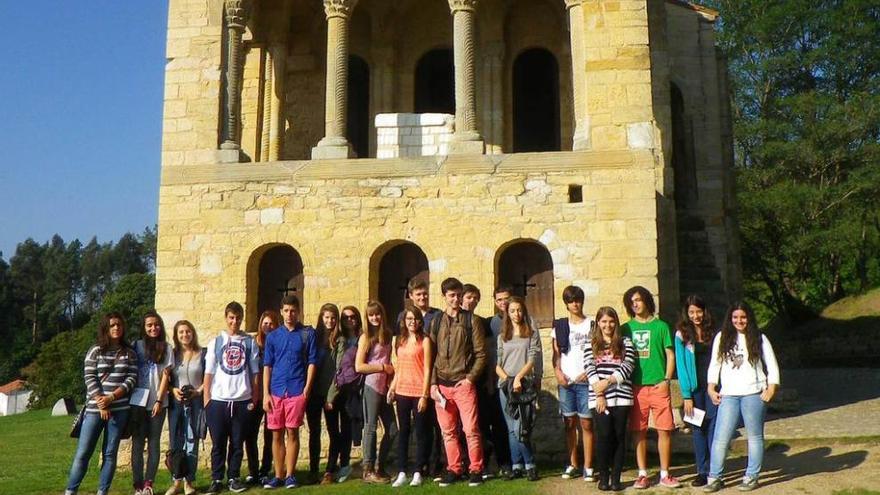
x=410, y=318
x=349, y=316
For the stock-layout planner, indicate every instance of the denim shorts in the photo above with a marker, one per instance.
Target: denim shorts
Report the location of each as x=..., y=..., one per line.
x=575, y=400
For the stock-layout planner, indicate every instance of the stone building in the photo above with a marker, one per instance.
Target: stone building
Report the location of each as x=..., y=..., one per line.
x=338, y=148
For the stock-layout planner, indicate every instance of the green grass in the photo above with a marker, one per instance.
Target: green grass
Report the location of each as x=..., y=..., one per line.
x=856, y=491
x=867, y=304
x=36, y=452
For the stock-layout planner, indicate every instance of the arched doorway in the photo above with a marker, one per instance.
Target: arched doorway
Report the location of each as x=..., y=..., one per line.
x=683, y=159
x=358, y=124
x=280, y=272
x=535, y=102
x=400, y=264
x=527, y=267
x=435, y=82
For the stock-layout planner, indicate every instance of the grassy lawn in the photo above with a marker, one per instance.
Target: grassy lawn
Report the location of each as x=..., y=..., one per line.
x=35, y=456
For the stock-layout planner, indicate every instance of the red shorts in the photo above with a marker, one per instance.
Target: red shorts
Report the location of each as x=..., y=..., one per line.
x=287, y=412
x=648, y=398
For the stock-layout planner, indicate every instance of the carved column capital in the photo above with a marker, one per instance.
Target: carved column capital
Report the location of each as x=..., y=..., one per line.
x=466, y=5
x=573, y=3
x=339, y=8
x=236, y=13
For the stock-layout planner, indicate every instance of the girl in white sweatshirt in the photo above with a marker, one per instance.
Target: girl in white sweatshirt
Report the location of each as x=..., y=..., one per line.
x=744, y=363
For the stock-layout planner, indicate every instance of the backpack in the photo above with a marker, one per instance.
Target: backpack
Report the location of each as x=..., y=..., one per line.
x=563, y=330
x=468, y=325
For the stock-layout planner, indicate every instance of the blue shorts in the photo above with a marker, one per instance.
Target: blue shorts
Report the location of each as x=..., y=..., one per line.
x=575, y=400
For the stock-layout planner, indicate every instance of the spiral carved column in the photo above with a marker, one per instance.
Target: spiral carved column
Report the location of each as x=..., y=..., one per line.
x=236, y=18
x=579, y=74
x=335, y=144
x=464, y=45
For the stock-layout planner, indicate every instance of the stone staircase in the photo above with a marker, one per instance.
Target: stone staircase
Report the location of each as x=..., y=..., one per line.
x=697, y=270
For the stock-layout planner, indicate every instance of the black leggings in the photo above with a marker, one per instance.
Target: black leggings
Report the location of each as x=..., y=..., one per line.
x=339, y=431
x=313, y=417
x=258, y=466
x=610, y=430
x=407, y=411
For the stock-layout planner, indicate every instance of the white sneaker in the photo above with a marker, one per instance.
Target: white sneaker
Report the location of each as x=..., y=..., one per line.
x=400, y=481
x=417, y=479
x=570, y=472
x=343, y=474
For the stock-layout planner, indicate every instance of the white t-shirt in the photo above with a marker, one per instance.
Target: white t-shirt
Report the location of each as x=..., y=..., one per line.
x=572, y=363
x=150, y=373
x=232, y=380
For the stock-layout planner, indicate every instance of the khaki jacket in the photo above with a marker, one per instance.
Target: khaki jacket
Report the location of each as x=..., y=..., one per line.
x=459, y=354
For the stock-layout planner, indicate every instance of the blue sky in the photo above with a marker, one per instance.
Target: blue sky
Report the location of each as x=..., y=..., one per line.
x=81, y=88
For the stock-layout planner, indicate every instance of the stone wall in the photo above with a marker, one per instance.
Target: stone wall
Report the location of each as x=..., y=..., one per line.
x=413, y=134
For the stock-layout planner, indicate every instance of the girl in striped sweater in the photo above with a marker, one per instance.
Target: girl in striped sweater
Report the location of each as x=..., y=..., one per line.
x=610, y=361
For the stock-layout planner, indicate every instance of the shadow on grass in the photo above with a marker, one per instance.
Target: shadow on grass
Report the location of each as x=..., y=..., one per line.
x=780, y=466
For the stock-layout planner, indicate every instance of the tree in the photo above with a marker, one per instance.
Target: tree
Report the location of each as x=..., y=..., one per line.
x=806, y=99
x=26, y=268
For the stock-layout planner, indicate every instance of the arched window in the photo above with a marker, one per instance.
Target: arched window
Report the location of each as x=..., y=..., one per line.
x=358, y=125
x=526, y=266
x=535, y=102
x=683, y=160
x=399, y=264
x=435, y=82
x=279, y=272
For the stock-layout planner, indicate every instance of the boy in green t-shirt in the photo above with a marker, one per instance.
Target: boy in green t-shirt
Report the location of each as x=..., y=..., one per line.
x=653, y=341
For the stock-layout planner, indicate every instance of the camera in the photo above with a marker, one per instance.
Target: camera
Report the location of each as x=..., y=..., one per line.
x=186, y=391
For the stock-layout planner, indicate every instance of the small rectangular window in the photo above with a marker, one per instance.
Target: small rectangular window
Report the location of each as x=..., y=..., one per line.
x=575, y=193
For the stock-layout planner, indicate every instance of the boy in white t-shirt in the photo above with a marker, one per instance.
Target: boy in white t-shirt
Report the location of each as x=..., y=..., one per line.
x=230, y=392
x=571, y=336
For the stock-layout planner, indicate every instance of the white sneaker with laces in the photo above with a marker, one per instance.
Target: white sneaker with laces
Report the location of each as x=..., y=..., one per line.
x=416, y=480
x=400, y=481
x=570, y=472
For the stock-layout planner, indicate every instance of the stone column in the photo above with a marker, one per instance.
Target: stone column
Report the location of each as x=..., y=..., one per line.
x=278, y=57
x=579, y=74
x=466, y=138
x=493, y=96
x=335, y=144
x=236, y=18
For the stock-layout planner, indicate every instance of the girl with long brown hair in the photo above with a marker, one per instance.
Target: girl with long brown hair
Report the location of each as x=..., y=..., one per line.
x=260, y=467
x=610, y=361
x=325, y=372
x=187, y=377
x=693, y=352
x=519, y=369
x=374, y=361
x=744, y=362
x=411, y=388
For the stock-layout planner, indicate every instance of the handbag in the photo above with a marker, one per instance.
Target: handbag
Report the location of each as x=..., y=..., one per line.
x=202, y=424
x=76, y=428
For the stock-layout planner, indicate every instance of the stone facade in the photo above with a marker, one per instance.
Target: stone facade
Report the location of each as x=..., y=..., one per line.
x=603, y=206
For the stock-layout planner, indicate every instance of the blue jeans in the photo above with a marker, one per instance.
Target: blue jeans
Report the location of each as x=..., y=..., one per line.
x=574, y=400
x=153, y=430
x=752, y=409
x=702, y=435
x=520, y=452
x=183, y=425
x=92, y=427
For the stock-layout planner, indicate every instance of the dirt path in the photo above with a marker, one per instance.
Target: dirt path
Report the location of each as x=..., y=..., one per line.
x=806, y=468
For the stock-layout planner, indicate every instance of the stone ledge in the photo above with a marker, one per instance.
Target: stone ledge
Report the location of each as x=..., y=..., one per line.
x=563, y=161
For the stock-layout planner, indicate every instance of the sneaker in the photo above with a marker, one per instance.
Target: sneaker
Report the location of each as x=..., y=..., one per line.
x=400, y=480
x=416, y=480
x=138, y=489
x=273, y=483
x=216, y=487
x=290, y=482
x=642, y=483
x=603, y=485
x=174, y=489
x=670, y=482
x=189, y=489
x=532, y=474
x=700, y=480
x=748, y=484
x=148, y=488
x=448, y=479
x=251, y=480
x=475, y=479
x=486, y=474
x=569, y=472
x=589, y=477
x=374, y=477
x=713, y=486
x=504, y=472
x=343, y=474
x=327, y=479
x=514, y=474
x=236, y=486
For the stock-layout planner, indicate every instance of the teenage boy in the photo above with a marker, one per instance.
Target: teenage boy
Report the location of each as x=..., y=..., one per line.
x=459, y=340
x=230, y=391
x=571, y=337
x=492, y=424
x=653, y=342
x=289, y=361
x=417, y=292
x=502, y=299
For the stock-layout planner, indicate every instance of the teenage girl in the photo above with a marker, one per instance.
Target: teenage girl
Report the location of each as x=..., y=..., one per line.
x=186, y=406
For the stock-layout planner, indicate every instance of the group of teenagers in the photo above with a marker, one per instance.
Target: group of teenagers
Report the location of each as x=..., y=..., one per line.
x=466, y=387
